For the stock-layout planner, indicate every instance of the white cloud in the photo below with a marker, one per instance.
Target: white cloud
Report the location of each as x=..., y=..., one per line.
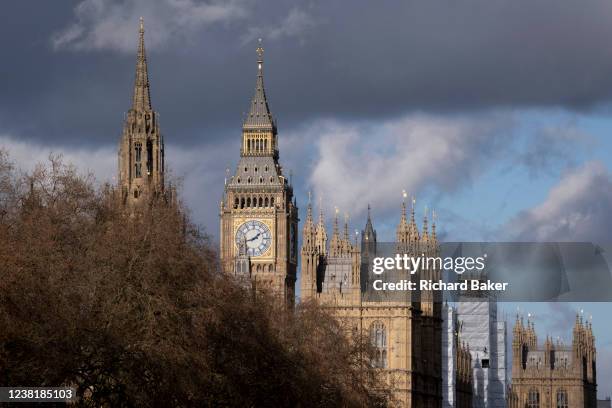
x=578, y=208
x=198, y=169
x=102, y=162
x=357, y=164
x=102, y=24
x=202, y=170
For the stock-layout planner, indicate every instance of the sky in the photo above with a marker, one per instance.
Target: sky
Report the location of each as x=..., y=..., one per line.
x=496, y=114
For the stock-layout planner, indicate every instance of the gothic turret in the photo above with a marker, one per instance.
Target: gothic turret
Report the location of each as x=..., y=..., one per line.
x=310, y=256
x=335, y=245
x=402, y=228
x=347, y=247
x=308, y=232
x=321, y=234
x=368, y=234
x=407, y=231
x=141, y=151
x=368, y=249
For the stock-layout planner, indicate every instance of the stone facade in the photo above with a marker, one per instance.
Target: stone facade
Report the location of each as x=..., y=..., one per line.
x=553, y=375
x=407, y=335
x=258, y=207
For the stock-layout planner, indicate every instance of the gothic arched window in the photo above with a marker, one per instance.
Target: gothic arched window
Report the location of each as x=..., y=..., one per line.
x=138, y=151
x=533, y=399
x=138, y=159
x=562, y=400
x=149, y=158
x=267, y=202
x=378, y=338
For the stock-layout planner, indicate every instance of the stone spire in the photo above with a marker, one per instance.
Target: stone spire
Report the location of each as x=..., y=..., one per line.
x=346, y=238
x=346, y=229
x=335, y=246
x=259, y=116
x=368, y=250
x=425, y=234
x=402, y=228
x=308, y=236
x=142, y=98
x=141, y=149
x=413, y=229
x=321, y=233
x=434, y=236
x=369, y=234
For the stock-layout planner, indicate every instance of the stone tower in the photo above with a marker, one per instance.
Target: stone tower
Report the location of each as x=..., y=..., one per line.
x=406, y=334
x=141, y=149
x=258, y=206
x=553, y=374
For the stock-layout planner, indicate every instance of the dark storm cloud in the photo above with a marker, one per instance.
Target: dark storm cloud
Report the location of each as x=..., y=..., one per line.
x=67, y=68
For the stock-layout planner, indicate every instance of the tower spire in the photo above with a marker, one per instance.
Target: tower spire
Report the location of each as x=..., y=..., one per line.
x=320, y=233
x=259, y=116
x=336, y=243
x=346, y=228
x=403, y=218
x=434, y=236
x=368, y=234
x=309, y=218
x=141, y=152
x=142, y=98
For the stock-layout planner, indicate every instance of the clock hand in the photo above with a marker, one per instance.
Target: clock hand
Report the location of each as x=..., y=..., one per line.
x=255, y=237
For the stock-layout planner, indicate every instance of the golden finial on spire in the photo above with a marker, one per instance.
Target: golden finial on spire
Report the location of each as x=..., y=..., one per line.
x=404, y=194
x=260, y=51
x=141, y=24
x=309, y=197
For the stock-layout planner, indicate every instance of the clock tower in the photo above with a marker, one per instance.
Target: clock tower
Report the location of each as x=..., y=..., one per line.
x=258, y=213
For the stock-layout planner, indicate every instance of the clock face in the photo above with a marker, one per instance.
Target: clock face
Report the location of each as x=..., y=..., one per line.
x=257, y=236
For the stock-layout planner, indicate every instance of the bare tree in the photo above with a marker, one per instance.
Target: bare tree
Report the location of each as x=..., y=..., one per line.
x=130, y=308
